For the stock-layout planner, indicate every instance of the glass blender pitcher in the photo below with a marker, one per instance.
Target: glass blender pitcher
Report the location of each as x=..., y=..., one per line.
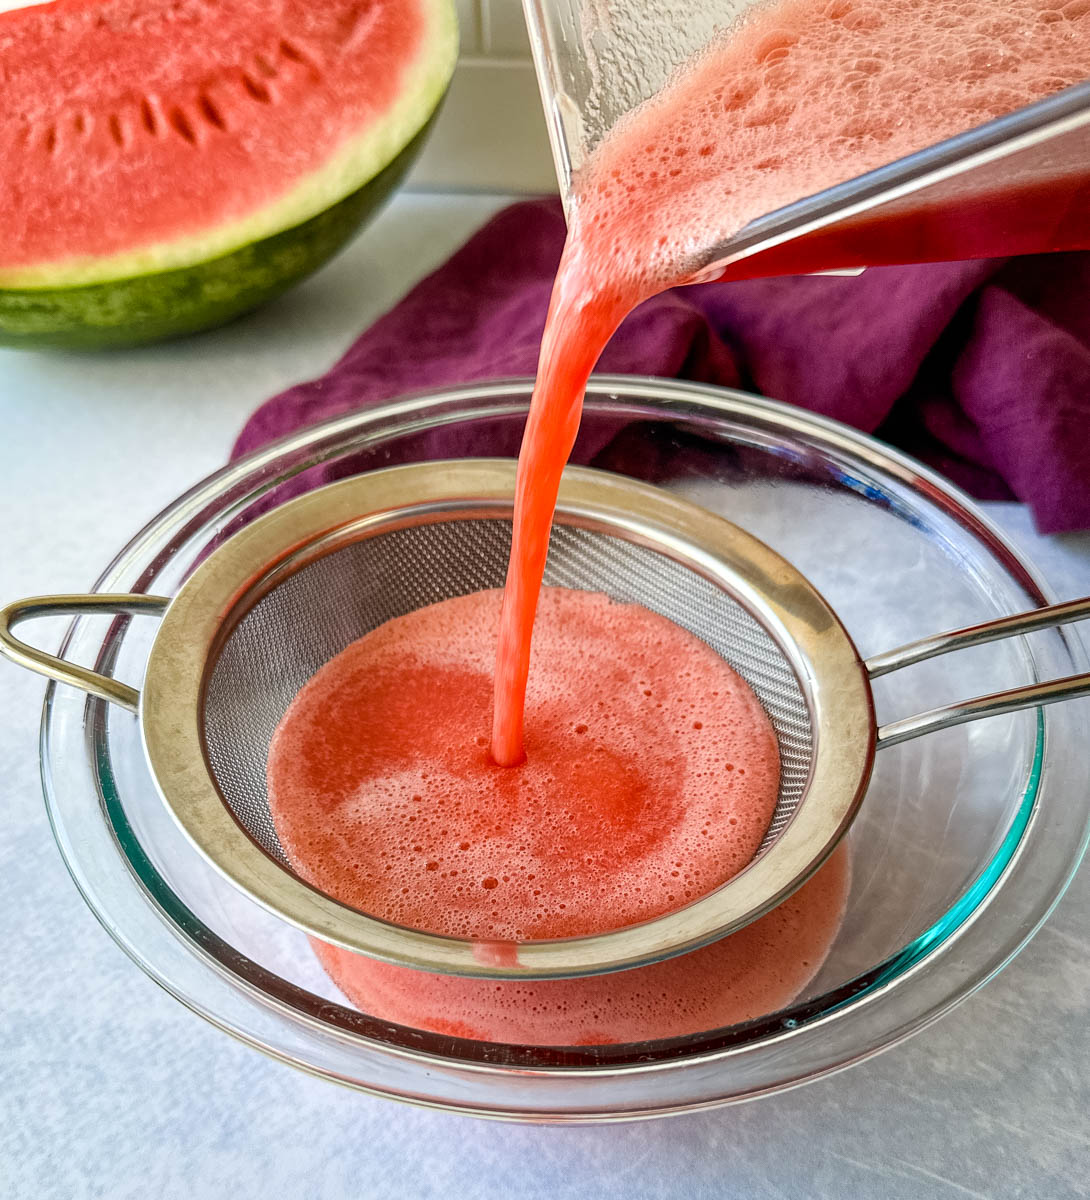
x=1016, y=185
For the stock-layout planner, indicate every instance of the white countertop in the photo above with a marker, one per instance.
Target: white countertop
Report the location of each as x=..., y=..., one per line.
x=990, y=1102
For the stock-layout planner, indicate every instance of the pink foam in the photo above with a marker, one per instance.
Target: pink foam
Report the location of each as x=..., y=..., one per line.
x=651, y=774
x=757, y=971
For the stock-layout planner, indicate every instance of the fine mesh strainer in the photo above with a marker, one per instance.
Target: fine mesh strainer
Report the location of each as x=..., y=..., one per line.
x=271, y=605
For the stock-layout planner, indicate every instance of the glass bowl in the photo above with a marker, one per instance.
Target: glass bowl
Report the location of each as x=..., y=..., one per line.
x=965, y=840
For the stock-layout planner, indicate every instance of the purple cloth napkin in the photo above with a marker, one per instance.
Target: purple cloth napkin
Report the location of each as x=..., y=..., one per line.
x=981, y=369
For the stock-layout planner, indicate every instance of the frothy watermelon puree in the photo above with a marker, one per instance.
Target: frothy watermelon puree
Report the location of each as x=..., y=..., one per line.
x=651, y=775
x=756, y=971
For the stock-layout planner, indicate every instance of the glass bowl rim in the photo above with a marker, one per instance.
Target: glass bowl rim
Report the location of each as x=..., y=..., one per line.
x=896, y=969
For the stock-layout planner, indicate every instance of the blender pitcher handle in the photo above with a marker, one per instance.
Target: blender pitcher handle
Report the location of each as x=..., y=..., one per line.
x=56, y=668
x=1029, y=696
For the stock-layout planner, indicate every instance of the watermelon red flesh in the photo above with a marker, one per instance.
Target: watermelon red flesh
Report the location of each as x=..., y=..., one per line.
x=130, y=129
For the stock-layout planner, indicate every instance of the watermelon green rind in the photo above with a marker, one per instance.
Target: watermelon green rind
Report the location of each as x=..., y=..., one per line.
x=149, y=307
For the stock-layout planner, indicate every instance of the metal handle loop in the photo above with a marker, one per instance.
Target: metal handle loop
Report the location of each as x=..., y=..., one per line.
x=1029, y=696
x=112, y=690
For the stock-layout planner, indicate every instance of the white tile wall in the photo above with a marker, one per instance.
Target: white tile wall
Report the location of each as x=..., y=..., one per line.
x=491, y=134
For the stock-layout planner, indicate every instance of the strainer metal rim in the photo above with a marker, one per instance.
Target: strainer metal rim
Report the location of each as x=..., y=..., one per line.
x=806, y=629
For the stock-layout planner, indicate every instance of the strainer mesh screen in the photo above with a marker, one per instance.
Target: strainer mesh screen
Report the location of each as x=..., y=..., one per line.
x=323, y=607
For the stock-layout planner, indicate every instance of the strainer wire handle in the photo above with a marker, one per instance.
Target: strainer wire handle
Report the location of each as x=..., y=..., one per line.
x=112, y=690
x=1028, y=696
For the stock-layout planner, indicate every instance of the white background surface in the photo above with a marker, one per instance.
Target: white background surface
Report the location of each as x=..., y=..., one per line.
x=109, y=1088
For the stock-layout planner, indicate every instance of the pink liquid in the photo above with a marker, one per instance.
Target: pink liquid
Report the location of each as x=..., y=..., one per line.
x=651, y=775
x=756, y=971
x=804, y=96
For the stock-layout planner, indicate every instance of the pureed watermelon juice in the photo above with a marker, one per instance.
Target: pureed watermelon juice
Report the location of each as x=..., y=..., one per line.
x=650, y=776
x=613, y=802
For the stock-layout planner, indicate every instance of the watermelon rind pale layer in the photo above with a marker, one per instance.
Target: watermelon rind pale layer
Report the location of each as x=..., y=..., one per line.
x=150, y=307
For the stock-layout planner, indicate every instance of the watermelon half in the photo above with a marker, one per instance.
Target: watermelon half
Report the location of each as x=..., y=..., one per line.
x=168, y=164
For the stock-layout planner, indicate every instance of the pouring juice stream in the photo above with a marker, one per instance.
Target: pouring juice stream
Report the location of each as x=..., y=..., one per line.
x=802, y=97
